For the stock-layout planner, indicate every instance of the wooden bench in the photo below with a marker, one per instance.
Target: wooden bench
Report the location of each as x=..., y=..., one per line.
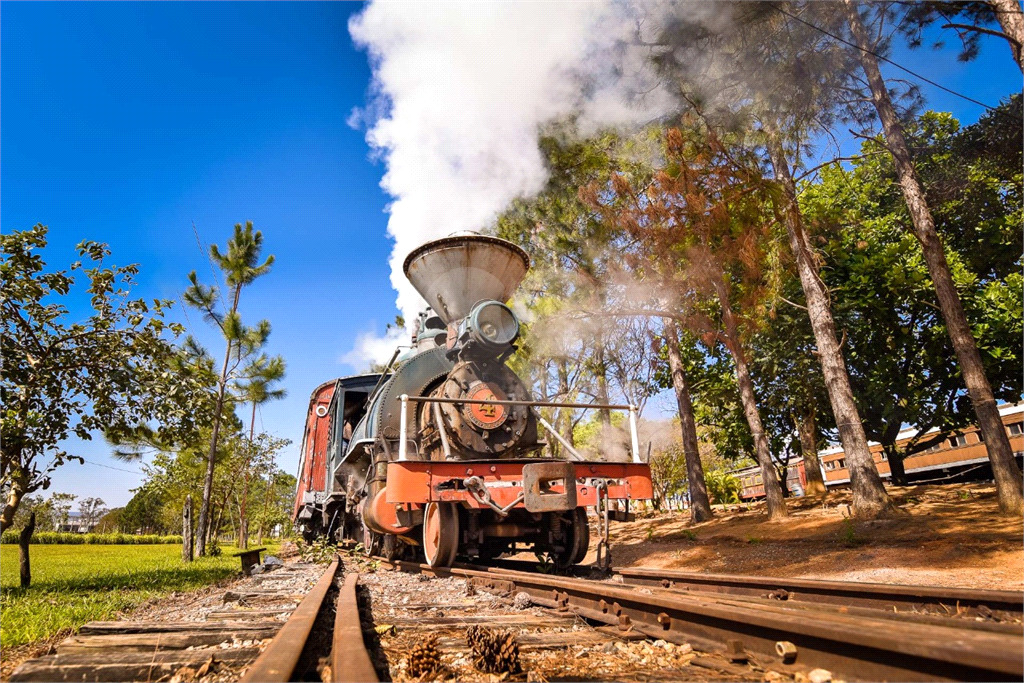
x=250, y=558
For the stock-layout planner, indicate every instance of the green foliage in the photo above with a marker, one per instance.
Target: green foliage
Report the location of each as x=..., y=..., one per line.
x=143, y=512
x=109, y=372
x=62, y=538
x=883, y=295
x=723, y=488
x=243, y=358
x=320, y=551
x=848, y=535
x=72, y=585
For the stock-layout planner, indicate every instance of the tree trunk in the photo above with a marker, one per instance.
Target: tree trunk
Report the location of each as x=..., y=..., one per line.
x=243, y=526
x=772, y=489
x=23, y=540
x=897, y=469
x=1009, y=485
x=869, y=496
x=1011, y=19
x=266, y=504
x=14, y=497
x=186, y=530
x=211, y=457
x=808, y=430
x=601, y=370
x=783, y=472
x=700, y=505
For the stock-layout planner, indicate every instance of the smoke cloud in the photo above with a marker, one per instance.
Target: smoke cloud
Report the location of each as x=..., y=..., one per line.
x=460, y=91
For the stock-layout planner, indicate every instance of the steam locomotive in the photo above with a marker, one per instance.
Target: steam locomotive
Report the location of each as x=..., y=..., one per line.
x=439, y=457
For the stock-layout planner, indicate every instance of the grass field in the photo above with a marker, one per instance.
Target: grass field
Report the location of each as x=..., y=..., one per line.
x=74, y=584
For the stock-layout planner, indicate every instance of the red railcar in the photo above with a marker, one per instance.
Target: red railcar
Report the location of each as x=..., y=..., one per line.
x=312, y=473
x=753, y=486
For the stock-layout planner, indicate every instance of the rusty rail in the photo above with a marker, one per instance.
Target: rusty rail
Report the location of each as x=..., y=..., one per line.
x=889, y=597
x=349, y=659
x=854, y=594
x=277, y=663
x=856, y=646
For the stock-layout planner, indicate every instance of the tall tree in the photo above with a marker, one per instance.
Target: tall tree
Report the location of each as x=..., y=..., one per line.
x=784, y=80
x=241, y=267
x=970, y=21
x=108, y=372
x=877, y=272
x=256, y=389
x=700, y=213
x=792, y=389
x=90, y=510
x=1007, y=474
x=700, y=504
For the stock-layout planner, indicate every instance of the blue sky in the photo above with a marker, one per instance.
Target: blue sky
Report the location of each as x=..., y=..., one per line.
x=124, y=123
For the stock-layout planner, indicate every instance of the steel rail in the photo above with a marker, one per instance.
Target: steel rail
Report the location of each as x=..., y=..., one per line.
x=277, y=663
x=349, y=659
x=876, y=595
x=857, y=647
x=844, y=593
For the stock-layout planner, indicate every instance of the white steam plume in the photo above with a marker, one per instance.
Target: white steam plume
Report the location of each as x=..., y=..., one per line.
x=461, y=90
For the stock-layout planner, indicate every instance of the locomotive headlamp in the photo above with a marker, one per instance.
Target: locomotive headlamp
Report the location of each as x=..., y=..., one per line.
x=493, y=324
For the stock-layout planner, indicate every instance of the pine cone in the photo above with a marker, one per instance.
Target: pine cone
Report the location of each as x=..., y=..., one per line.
x=423, y=659
x=493, y=651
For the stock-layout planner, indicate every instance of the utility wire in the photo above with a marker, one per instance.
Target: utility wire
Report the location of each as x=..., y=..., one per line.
x=882, y=57
x=109, y=467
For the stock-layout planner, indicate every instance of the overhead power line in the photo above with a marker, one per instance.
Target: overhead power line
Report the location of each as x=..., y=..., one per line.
x=109, y=467
x=883, y=58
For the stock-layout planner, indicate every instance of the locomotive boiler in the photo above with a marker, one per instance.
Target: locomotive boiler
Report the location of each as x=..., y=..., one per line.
x=441, y=455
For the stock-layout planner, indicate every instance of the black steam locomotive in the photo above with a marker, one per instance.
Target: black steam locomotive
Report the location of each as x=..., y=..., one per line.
x=440, y=454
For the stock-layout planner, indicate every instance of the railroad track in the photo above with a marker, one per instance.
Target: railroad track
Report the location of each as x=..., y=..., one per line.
x=259, y=635
x=848, y=629
x=964, y=603
x=701, y=626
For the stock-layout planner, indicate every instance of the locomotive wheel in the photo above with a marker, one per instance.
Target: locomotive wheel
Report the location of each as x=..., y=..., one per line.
x=440, y=534
x=577, y=543
x=371, y=541
x=581, y=534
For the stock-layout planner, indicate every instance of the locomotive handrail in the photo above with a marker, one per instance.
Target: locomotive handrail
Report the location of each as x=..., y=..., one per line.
x=507, y=402
x=405, y=398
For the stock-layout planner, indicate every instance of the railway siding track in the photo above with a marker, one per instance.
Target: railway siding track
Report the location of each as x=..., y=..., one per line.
x=784, y=637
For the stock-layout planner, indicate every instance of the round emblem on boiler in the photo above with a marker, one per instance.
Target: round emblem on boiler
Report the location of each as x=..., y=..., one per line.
x=484, y=415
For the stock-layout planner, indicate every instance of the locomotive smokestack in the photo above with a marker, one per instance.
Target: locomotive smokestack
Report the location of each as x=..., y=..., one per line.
x=456, y=272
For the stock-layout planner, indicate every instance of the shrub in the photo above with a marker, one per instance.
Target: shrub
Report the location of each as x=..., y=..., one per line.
x=10, y=537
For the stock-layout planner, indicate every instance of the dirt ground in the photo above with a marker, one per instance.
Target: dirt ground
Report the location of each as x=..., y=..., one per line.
x=950, y=536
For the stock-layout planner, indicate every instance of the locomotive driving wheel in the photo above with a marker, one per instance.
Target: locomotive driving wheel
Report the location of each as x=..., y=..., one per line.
x=581, y=534
x=577, y=542
x=440, y=534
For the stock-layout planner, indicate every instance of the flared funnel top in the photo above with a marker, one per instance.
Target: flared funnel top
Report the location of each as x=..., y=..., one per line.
x=456, y=272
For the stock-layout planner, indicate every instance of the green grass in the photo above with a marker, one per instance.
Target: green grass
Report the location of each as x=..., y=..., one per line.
x=75, y=584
